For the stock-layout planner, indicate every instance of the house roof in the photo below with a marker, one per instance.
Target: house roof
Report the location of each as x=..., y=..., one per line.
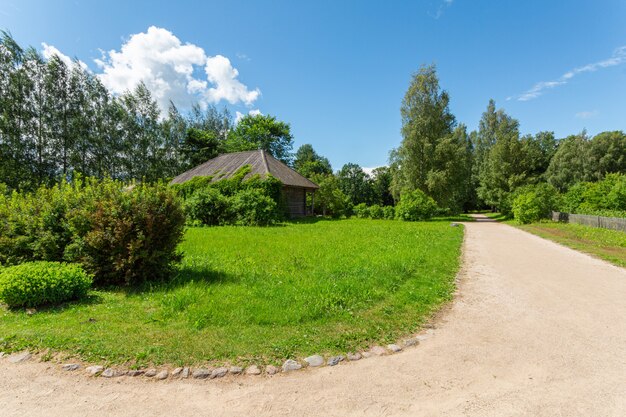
x=261, y=162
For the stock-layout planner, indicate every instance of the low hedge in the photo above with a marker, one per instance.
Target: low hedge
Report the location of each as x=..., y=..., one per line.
x=33, y=284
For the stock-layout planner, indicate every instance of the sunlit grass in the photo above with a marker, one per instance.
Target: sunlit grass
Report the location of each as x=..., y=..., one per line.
x=261, y=294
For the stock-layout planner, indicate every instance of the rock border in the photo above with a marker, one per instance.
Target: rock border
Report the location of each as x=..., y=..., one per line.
x=209, y=373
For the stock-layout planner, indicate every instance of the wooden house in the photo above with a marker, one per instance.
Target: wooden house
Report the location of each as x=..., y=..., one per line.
x=295, y=186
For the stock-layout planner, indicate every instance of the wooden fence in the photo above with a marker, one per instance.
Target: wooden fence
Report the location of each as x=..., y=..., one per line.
x=613, y=223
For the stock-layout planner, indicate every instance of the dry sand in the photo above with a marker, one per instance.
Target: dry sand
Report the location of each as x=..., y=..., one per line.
x=536, y=329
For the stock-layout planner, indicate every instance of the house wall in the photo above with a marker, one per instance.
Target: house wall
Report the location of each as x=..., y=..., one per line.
x=295, y=200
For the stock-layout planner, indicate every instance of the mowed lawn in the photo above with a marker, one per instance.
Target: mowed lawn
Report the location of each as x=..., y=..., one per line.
x=248, y=294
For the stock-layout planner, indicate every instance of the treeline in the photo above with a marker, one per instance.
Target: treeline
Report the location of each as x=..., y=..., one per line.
x=57, y=120
x=483, y=169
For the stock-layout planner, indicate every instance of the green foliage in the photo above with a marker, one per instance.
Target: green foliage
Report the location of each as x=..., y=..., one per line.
x=376, y=212
x=262, y=132
x=389, y=212
x=531, y=203
x=200, y=146
x=209, y=207
x=119, y=233
x=361, y=211
x=233, y=200
x=308, y=163
x=34, y=284
x=253, y=207
x=355, y=184
x=329, y=199
x=415, y=206
x=603, y=198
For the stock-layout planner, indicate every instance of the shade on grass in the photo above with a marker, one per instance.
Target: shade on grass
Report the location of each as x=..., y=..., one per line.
x=262, y=294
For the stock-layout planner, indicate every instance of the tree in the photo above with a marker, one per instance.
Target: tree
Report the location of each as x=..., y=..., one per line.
x=262, y=132
x=570, y=163
x=199, y=146
x=355, y=183
x=381, y=186
x=607, y=154
x=426, y=119
x=308, y=163
x=329, y=199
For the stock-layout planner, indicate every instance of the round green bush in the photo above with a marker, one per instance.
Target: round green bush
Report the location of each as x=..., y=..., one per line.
x=361, y=211
x=415, y=206
x=253, y=207
x=376, y=212
x=389, y=212
x=208, y=206
x=39, y=283
x=527, y=208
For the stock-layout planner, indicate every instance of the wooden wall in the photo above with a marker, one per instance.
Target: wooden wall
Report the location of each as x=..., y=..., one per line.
x=295, y=200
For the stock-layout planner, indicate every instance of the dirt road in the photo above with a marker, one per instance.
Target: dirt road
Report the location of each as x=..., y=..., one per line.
x=536, y=329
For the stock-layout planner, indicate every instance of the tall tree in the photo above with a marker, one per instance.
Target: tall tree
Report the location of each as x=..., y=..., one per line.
x=262, y=132
x=355, y=183
x=381, y=186
x=570, y=163
x=308, y=163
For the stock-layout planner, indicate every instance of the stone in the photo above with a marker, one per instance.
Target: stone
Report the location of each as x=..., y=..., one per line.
x=454, y=224
x=235, y=370
x=150, y=372
x=70, y=367
x=378, y=350
x=20, y=357
x=332, y=361
x=354, y=356
x=136, y=372
x=411, y=342
x=219, y=372
x=109, y=373
x=2, y=354
x=291, y=365
x=271, y=370
x=366, y=355
x=176, y=372
x=394, y=348
x=94, y=370
x=315, y=360
x=201, y=373
x=162, y=375
x=253, y=370
x=185, y=373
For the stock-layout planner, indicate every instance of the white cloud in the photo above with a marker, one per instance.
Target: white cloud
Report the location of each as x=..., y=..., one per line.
x=619, y=57
x=370, y=170
x=587, y=114
x=169, y=70
x=239, y=115
x=443, y=5
x=49, y=51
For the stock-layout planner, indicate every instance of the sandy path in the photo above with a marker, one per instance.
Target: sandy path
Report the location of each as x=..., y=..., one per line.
x=537, y=329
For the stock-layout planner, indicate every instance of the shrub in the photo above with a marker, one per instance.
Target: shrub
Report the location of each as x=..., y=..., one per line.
x=254, y=208
x=389, y=212
x=376, y=212
x=209, y=207
x=132, y=235
x=34, y=284
x=415, y=206
x=527, y=208
x=534, y=202
x=361, y=211
x=119, y=233
x=211, y=203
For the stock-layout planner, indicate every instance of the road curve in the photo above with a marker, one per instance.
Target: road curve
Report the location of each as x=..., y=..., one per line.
x=535, y=329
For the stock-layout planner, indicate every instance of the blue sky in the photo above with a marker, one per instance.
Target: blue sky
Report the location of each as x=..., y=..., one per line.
x=337, y=70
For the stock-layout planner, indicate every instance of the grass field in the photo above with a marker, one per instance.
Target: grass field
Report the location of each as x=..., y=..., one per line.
x=261, y=294
x=609, y=245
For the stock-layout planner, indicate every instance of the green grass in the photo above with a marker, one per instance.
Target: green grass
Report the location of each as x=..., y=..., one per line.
x=261, y=294
x=609, y=245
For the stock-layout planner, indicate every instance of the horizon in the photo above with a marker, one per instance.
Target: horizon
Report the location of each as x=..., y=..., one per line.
x=327, y=82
